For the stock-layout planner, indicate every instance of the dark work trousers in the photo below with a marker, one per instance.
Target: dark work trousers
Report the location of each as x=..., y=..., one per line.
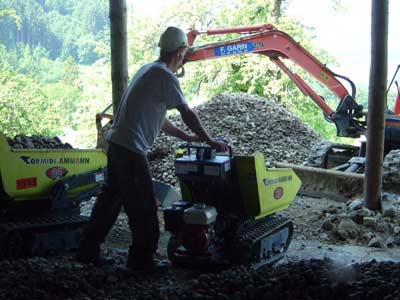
x=129, y=184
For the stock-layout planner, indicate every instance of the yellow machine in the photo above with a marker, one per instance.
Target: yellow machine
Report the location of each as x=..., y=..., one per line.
x=40, y=193
x=227, y=213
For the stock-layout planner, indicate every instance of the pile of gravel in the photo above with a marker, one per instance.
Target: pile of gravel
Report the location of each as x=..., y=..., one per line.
x=36, y=142
x=249, y=123
x=63, y=278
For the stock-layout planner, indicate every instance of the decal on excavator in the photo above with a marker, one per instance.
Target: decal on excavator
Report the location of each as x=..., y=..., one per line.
x=324, y=76
x=234, y=49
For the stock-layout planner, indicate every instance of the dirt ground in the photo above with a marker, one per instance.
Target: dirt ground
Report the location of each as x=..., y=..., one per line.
x=308, y=214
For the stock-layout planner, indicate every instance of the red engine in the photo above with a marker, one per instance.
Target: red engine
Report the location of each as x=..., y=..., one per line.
x=196, y=238
x=192, y=225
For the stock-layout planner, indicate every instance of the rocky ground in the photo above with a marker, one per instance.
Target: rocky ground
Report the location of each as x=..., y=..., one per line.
x=249, y=124
x=63, y=278
x=349, y=223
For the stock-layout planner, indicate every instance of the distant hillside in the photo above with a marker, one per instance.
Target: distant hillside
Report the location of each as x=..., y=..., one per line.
x=61, y=28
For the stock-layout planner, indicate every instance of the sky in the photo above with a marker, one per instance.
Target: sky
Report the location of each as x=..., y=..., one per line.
x=344, y=34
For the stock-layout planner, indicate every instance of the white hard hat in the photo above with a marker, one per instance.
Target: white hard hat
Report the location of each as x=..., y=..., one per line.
x=172, y=39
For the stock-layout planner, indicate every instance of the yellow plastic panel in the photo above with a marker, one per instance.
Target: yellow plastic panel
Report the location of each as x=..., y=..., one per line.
x=29, y=174
x=265, y=191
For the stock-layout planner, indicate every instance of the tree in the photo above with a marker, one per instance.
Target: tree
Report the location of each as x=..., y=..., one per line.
x=12, y=14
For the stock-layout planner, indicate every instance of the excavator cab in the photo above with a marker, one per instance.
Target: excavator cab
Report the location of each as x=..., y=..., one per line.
x=396, y=106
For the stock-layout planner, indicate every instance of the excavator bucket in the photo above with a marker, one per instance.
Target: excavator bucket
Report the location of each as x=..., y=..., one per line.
x=318, y=182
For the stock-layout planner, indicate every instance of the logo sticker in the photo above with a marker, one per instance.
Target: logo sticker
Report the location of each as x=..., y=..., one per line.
x=99, y=176
x=324, y=76
x=56, y=172
x=277, y=180
x=278, y=193
x=26, y=183
x=51, y=161
x=233, y=49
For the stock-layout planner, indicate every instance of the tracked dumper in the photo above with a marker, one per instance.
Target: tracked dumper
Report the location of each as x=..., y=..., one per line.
x=227, y=215
x=40, y=193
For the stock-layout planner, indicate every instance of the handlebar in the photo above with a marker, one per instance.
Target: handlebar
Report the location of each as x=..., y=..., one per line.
x=203, y=151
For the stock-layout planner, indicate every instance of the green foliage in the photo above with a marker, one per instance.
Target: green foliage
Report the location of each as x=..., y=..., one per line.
x=96, y=96
x=12, y=14
x=63, y=28
x=22, y=105
x=30, y=103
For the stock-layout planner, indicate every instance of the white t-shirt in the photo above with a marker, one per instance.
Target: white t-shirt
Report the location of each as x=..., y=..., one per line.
x=140, y=115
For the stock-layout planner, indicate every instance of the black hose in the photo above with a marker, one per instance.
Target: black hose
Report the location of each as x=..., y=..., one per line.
x=353, y=86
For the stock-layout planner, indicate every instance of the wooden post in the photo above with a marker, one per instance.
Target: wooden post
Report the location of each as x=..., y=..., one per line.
x=119, y=54
x=376, y=103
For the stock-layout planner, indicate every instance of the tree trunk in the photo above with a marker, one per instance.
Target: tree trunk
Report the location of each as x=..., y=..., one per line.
x=119, y=56
x=376, y=103
x=277, y=12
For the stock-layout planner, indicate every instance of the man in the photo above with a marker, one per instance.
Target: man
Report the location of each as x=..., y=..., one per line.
x=139, y=118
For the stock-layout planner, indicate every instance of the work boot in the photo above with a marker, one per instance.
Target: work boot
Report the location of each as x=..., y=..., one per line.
x=90, y=254
x=145, y=264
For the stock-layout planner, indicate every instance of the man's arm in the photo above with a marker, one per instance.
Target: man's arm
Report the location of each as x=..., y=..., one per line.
x=191, y=119
x=170, y=129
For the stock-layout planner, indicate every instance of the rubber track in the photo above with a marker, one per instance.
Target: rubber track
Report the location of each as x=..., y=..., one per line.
x=27, y=230
x=42, y=223
x=260, y=230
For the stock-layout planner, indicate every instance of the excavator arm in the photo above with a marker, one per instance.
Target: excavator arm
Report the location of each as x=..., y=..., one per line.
x=265, y=39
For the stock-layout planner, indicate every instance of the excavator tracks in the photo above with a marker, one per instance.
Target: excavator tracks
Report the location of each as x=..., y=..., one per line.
x=40, y=236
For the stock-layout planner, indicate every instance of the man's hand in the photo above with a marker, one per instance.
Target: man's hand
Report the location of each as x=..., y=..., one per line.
x=219, y=145
x=192, y=121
